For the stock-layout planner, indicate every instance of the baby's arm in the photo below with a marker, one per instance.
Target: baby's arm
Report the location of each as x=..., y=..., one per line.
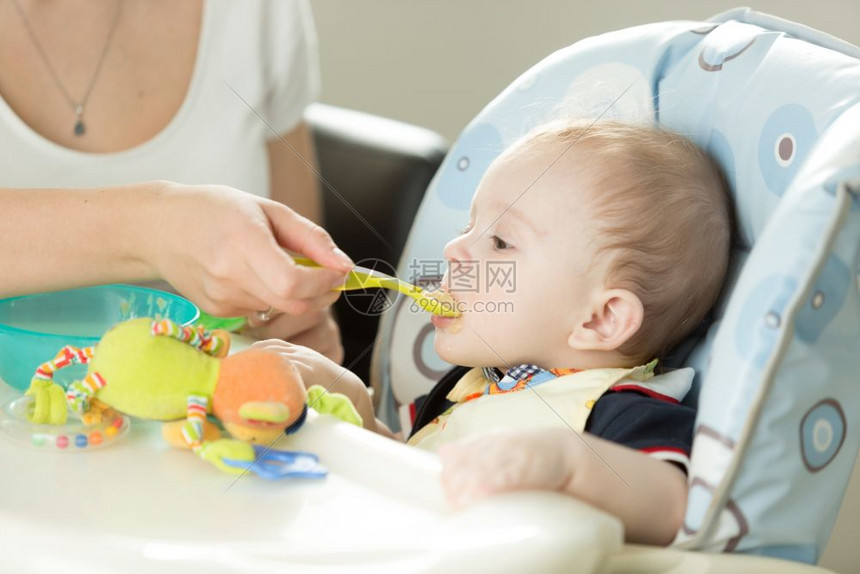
x=648, y=495
x=347, y=383
x=317, y=369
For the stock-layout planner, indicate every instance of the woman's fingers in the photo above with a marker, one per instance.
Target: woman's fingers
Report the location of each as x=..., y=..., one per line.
x=225, y=250
x=282, y=326
x=289, y=287
x=302, y=235
x=221, y=302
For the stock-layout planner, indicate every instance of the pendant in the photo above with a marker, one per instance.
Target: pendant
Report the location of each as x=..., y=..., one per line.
x=80, y=129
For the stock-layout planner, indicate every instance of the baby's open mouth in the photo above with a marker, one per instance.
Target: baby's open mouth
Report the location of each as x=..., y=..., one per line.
x=450, y=321
x=439, y=304
x=450, y=325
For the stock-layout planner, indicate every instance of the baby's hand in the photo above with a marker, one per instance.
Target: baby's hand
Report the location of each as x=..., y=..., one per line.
x=503, y=461
x=314, y=368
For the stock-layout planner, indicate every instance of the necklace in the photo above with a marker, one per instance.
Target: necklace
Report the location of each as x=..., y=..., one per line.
x=80, y=129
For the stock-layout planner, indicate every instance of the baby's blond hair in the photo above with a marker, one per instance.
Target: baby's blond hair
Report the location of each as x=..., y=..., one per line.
x=663, y=216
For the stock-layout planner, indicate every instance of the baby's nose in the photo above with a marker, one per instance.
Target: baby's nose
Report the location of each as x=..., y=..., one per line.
x=457, y=250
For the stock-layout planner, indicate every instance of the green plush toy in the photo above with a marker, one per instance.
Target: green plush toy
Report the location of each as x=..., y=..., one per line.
x=158, y=370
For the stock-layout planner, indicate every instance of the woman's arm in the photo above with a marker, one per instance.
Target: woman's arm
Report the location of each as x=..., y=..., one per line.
x=58, y=238
x=222, y=248
x=648, y=495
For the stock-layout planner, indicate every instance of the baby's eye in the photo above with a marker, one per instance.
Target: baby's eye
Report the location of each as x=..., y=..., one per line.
x=500, y=244
x=466, y=229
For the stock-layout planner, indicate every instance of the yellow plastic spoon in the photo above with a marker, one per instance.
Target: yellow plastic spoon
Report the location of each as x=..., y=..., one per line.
x=438, y=303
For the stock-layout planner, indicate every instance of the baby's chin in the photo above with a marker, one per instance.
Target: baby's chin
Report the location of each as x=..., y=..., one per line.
x=456, y=351
x=448, y=349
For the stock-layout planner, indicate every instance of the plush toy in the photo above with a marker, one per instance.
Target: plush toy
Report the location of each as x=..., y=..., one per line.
x=158, y=370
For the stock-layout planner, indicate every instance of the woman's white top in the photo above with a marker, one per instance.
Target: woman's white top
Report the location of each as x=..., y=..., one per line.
x=256, y=71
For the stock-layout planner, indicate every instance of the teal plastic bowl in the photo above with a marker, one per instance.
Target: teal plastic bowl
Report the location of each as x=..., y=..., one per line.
x=34, y=328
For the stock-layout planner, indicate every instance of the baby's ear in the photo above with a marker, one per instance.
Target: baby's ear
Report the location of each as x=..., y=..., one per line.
x=615, y=318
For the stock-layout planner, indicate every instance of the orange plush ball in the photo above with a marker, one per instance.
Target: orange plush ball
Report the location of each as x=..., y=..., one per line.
x=258, y=395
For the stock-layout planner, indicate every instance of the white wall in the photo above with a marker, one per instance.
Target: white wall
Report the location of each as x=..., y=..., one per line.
x=436, y=63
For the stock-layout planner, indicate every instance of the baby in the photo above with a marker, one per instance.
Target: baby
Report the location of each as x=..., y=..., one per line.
x=619, y=235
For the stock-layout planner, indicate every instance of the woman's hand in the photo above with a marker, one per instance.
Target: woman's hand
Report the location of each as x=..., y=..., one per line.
x=317, y=330
x=225, y=250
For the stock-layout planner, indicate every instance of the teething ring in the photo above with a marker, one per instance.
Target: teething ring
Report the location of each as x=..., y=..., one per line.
x=74, y=436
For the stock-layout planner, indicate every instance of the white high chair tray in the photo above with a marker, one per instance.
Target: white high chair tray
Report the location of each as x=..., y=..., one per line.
x=142, y=506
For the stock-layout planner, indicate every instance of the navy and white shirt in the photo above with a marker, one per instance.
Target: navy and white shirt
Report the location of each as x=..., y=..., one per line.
x=634, y=415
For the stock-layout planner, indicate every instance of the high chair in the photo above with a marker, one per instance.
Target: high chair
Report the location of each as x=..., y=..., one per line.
x=777, y=104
